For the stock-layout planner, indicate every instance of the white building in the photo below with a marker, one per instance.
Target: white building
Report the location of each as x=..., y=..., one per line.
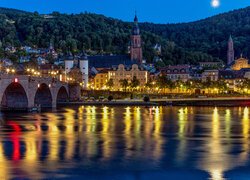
x=69, y=63
x=84, y=68
x=82, y=63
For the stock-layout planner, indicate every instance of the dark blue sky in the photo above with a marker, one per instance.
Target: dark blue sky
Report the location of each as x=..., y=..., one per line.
x=158, y=11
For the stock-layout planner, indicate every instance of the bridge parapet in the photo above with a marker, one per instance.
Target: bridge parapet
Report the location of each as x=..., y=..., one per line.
x=37, y=90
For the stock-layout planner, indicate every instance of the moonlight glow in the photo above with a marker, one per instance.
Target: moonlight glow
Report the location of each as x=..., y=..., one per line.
x=215, y=3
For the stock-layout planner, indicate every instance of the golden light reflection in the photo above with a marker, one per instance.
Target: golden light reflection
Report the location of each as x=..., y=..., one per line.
x=182, y=121
x=59, y=131
x=245, y=130
x=80, y=118
x=4, y=164
x=31, y=149
x=216, y=161
x=228, y=122
x=212, y=163
x=128, y=121
x=139, y=130
x=159, y=140
x=245, y=123
x=182, y=129
x=91, y=136
x=137, y=116
x=216, y=175
x=105, y=135
x=127, y=132
x=53, y=136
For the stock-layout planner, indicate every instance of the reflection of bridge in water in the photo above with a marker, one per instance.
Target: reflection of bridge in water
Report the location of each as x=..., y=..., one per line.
x=25, y=92
x=104, y=136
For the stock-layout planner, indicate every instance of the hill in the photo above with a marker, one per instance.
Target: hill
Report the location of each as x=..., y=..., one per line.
x=209, y=35
x=204, y=40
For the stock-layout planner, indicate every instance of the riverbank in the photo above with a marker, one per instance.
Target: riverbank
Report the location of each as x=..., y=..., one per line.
x=218, y=101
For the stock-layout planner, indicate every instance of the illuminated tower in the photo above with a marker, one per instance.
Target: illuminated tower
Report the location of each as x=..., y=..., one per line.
x=69, y=63
x=230, y=51
x=84, y=68
x=136, y=43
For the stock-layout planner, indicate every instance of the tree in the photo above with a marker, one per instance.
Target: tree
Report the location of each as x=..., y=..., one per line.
x=190, y=43
x=134, y=83
x=110, y=98
x=110, y=83
x=162, y=81
x=146, y=99
x=124, y=83
x=149, y=84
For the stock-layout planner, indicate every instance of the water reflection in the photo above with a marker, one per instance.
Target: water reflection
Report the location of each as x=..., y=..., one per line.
x=218, y=157
x=72, y=141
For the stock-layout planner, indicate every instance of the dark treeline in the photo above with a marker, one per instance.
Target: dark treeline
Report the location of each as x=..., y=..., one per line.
x=204, y=40
x=210, y=35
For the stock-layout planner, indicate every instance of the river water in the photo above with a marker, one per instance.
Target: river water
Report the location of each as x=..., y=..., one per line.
x=126, y=143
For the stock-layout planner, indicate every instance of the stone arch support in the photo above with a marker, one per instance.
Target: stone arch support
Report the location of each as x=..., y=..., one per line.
x=13, y=86
x=33, y=85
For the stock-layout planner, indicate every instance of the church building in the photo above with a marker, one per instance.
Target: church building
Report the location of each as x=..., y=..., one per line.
x=135, y=49
x=136, y=43
x=230, y=51
x=235, y=64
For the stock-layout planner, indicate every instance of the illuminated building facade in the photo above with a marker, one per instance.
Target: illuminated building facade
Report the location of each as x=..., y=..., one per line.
x=178, y=72
x=128, y=73
x=240, y=63
x=210, y=75
x=100, y=80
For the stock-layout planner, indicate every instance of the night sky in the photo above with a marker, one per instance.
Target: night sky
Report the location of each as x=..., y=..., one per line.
x=157, y=11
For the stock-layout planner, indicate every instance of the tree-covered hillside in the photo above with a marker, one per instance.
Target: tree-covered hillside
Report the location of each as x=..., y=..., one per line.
x=210, y=35
x=204, y=40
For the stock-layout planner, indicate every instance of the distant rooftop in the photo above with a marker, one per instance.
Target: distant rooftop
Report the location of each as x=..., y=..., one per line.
x=108, y=61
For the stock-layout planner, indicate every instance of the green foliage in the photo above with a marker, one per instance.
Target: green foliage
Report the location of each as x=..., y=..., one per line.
x=163, y=82
x=110, y=98
x=209, y=36
x=186, y=43
x=110, y=83
x=124, y=83
x=146, y=99
x=134, y=83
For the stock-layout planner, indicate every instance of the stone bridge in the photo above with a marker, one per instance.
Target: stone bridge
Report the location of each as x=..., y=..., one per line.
x=25, y=92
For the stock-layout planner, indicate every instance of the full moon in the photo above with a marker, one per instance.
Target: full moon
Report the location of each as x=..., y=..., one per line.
x=215, y=3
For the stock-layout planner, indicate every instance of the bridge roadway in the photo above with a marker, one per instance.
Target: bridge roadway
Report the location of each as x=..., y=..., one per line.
x=25, y=92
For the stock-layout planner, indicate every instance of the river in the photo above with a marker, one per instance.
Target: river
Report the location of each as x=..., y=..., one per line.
x=126, y=143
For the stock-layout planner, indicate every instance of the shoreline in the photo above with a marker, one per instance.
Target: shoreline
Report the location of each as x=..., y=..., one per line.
x=222, y=101
x=202, y=102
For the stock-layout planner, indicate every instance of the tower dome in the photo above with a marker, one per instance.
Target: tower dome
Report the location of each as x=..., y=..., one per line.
x=84, y=56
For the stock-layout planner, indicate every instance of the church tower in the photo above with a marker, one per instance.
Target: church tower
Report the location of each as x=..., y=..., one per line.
x=136, y=43
x=230, y=51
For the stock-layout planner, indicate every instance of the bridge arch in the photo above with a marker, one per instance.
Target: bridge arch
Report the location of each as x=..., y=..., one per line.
x=43, y=96
x=15, y=97
x=62, y=95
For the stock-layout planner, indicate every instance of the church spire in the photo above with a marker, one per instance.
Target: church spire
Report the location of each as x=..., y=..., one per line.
x=230, y=51
x=136, y=43
x=136, y=29
x=136, y=18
